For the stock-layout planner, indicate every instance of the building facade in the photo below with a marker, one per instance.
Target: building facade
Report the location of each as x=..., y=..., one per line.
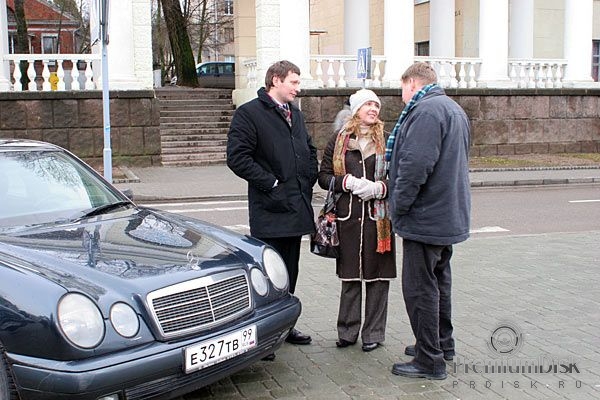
x=473, y=43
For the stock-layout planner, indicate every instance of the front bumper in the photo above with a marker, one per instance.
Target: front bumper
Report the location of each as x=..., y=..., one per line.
x=150, y=371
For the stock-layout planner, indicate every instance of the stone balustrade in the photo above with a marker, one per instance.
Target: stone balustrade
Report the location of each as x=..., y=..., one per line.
x=330, y=71
x=48, y=72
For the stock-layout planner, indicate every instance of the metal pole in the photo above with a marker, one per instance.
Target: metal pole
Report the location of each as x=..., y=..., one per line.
x=107, y=153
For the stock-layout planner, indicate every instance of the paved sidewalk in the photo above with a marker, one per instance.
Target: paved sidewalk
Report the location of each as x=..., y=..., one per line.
x=219, y=183
x=544, y=286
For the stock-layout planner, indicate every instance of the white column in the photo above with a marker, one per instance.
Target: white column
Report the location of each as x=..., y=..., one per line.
x=356, y=34
x=521, y=29
x=578, y=42
x=441, y=28
x=295, y=37
x=267, y=37
x=121, y=73
x=4, y=66
x=398, y=40
x=493, y=44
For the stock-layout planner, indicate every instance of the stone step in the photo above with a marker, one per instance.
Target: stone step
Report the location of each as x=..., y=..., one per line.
x=187, y=137
x=192, y=163
x=204, y=122
x=200, y=149
x=204, y=93
x=199, y=156
x=201, y=112
x=203, y=145
x=190, y=104
x=195, y=126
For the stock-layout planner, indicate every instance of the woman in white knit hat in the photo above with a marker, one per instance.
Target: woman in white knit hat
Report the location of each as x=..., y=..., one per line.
x=355, y=158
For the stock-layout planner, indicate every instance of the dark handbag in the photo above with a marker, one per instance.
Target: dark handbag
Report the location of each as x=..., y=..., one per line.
x=325, y=241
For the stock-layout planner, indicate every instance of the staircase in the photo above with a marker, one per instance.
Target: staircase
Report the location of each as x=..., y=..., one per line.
x=194, y=125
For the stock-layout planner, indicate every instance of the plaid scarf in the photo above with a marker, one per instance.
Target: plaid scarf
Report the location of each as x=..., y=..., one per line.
x=392, y=138
x=384, y=227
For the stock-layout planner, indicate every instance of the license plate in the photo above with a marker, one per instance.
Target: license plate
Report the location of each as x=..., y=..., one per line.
x=214, y=351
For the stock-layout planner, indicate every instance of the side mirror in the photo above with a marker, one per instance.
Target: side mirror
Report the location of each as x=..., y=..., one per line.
x=128, y=193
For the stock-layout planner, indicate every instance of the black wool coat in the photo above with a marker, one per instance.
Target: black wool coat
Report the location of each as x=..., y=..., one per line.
x=357, y=229
x=263, y=148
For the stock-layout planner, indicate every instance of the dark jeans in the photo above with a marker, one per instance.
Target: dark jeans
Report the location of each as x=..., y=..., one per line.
x=426, y=286
x=289, y=249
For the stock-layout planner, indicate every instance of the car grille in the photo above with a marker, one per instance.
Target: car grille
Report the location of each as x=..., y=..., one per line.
x=200, y=303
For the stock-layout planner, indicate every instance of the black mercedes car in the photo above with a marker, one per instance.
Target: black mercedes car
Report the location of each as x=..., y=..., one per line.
x=104, y=299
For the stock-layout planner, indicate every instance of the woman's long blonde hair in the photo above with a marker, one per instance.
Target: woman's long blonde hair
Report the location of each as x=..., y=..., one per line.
x=375, y=131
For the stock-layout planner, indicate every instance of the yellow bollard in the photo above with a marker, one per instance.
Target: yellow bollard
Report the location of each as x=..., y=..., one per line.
x=53, y=79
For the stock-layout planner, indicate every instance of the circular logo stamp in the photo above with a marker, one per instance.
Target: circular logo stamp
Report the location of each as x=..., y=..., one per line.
x=506, y=339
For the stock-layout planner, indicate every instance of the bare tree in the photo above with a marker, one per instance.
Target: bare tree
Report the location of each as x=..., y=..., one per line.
x=183, y=57
x=21, y=39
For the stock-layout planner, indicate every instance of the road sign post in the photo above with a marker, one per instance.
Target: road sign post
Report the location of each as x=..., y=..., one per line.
x=363, y=64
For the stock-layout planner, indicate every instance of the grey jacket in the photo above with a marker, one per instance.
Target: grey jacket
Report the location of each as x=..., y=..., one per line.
x=430, y=198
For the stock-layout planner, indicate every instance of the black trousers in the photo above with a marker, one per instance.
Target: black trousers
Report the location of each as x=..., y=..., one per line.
x=426, y=287
x=289, y=249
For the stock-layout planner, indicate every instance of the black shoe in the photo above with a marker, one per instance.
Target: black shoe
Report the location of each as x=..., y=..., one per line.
x=297, y=337
x=410, y=351
x=370, y=346
x=410, y=370
x=344, y=343
x=270, y=357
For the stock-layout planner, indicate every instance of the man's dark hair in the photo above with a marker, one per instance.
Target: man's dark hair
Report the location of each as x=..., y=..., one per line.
x=280, y=69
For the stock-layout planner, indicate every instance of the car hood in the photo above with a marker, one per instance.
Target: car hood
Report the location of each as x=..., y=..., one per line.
x=124, y=248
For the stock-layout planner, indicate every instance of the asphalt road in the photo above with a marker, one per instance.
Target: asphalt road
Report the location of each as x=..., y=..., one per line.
x=495, y=211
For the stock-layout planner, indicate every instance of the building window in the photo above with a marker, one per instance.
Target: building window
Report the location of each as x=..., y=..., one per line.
x=49, y=44
x=228, y=7
x=595, y=59
x=228, y=35
x=422, y=49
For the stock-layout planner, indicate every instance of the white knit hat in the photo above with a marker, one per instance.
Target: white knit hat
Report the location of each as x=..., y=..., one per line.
x=361, y=97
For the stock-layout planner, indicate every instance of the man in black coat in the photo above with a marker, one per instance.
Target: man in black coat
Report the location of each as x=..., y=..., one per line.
x=269, y=146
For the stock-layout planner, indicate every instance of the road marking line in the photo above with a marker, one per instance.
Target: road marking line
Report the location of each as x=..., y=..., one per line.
x=206, y=209
x=237, y=227
x=489, y=229
x=209, y=203
x=585, y=201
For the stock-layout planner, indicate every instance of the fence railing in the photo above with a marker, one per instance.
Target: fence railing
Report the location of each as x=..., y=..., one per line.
x=47, y=72
x=331, y=71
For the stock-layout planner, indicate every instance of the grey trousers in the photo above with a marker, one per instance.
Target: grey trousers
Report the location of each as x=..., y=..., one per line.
x=376, y=304
x=426, y=286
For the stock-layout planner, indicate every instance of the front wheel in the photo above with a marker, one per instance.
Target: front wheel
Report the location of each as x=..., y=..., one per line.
x=7, y=384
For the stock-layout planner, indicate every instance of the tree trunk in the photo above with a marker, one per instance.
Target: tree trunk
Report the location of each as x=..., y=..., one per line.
x=183, y=57
x=22, y=40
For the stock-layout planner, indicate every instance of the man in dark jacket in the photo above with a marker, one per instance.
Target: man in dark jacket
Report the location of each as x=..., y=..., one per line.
x=269, y=146
x=430, y=205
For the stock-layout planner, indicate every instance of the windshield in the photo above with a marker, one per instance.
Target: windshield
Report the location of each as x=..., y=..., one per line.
x=39, y=187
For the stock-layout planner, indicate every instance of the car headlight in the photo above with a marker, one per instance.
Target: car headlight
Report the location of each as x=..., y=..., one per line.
x=124, y=319
x=80, y=320
x=275, y=268
x=259, y=281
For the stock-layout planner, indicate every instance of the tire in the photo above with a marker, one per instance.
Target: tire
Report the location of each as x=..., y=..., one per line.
x=8, y=390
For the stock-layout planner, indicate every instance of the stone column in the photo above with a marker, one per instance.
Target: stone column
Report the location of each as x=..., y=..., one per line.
x=4, y=65
x=521, y=29
x=398, y=40
x=493, y=44
x=267, y=37
x=441, y=28
x=578, y=43
x=356, y=34
x=295, y=37
x=121, y=73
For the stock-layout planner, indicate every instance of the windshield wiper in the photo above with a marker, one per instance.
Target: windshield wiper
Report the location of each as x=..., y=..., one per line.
x=101, y=210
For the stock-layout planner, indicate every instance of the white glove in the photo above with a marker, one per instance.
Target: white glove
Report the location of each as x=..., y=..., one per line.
x=352, y=183
x=370, y=190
